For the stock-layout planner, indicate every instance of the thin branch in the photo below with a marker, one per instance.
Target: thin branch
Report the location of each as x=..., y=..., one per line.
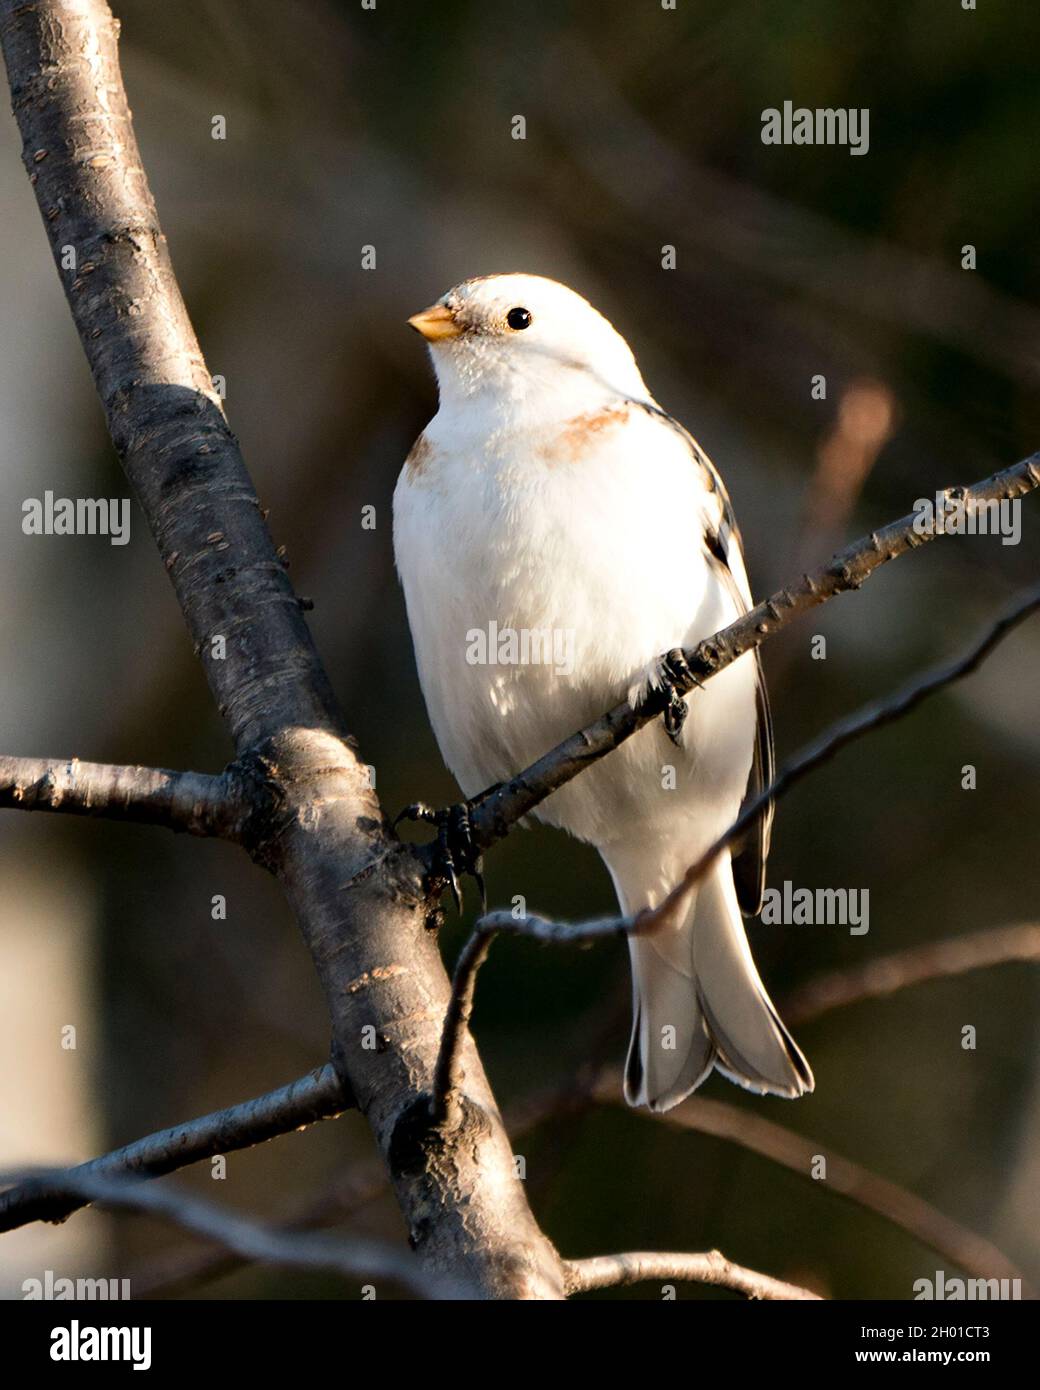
x=936, y=960
x=316, y=1096
x=192, y=801
x=180, y=1270
x=176, y=1272
x=851, y=1180
x=447, y=1077
x=496, y=810
x=638, y=1267
x=305, y=1101
x=874, y=715
x=357, y=1259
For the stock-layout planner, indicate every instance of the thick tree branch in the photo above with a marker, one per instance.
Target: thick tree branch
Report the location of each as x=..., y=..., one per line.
x=495, y=811
x=363, y=1260
x=178, y=1271
x=886, y=1199
x=316, y=1096
x=360, y=897
x=640, y=1267
x=191, y=801
x=936, y=960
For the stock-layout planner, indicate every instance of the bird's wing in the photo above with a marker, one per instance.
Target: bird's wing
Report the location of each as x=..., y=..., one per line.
x=725, y=552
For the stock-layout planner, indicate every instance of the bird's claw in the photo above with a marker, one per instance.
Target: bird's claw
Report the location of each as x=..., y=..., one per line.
x=675, y=679
x=453, y=853
x=418, y=810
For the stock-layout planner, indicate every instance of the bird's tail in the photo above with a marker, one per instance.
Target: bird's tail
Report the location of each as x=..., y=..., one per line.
x=698, y=1000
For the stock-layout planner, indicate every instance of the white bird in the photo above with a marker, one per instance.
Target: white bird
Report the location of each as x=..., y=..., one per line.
x=555, y=531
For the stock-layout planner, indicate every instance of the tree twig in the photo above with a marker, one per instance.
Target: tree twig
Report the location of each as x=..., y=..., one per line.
x=935, y=960
x=639, y=1267
x=495, y=811
x=447, y=1077
x=851, y=1180
x=316, y=1096
x=356, y=1259
x=874, y=715
x=192, y=801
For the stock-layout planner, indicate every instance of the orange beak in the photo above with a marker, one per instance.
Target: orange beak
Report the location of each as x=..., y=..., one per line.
x=435, y=323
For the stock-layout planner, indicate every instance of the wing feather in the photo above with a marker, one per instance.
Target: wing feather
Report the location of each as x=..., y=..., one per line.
x=749, y=863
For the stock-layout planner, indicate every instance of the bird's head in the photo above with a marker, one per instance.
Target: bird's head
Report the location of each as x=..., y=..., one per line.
x=513, y=339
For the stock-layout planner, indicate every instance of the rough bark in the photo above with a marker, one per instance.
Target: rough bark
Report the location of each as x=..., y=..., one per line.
x=360, y=896
x=192, y=801
x=712, y=1267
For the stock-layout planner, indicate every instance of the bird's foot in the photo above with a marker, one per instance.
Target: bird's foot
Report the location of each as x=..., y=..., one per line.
x=454, y=852
x=674, y=680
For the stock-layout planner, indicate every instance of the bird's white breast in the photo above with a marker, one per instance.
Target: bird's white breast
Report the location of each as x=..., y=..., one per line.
x=591, y=529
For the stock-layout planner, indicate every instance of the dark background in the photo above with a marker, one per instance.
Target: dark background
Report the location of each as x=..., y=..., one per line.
x=391, y=128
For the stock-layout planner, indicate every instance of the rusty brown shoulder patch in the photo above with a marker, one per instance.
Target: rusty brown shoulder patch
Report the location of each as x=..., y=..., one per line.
x=419, y=456
x=582, y=430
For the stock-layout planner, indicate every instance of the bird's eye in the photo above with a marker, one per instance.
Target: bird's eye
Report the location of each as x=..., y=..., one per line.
x=519, y=318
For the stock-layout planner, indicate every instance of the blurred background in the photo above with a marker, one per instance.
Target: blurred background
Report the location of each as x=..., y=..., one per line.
x=392, y=129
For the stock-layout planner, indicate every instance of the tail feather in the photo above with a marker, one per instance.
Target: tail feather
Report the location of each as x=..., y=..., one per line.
x=671, y=1051
x=755, y=1049
x=699, y=1002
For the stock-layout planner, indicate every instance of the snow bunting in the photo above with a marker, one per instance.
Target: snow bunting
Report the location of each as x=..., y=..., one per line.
x=555, y=532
